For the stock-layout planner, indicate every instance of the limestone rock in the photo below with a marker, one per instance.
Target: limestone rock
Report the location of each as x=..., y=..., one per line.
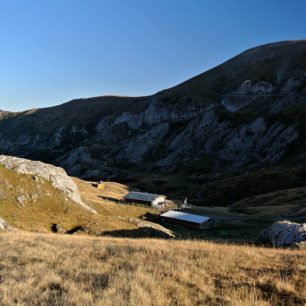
x=255, y=87
x=152, y=228
x=4, y=226
x=56, y=175
x=284, y=234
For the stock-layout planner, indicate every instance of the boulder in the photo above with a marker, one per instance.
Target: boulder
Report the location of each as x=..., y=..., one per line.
x=56, y=175
x=4, y=226
x=284, y=234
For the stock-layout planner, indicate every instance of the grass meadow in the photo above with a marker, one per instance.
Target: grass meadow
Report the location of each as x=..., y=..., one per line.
x=50, y=269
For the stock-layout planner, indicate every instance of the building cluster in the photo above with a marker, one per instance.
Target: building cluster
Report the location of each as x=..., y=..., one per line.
x=175, y=217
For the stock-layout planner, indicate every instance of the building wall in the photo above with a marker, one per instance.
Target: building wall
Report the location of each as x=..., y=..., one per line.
x=137, y=201
x=158, y=200
x=187, y=224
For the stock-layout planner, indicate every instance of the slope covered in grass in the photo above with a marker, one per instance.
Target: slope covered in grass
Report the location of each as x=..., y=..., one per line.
x=31, y=203
x=109, y=200
x=45, y=269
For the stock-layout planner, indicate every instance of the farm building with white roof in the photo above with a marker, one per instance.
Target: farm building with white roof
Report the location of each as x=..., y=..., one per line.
x=186, y=219
x=146, y=198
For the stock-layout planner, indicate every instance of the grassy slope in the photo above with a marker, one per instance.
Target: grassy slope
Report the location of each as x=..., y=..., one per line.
x=40, y=205
x=120, y=219
x=259, y=63
x=107, y=201
x=65, y=270
x=286, y=202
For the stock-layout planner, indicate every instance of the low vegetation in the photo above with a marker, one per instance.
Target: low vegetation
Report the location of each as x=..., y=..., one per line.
x=286, y=202
x=31, y=203
x=48, y=269
x=109, y=200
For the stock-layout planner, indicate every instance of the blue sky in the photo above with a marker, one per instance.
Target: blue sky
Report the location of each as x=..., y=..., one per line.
x=52, y=51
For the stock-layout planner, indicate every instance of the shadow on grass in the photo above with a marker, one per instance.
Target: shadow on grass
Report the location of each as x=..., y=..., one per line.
x=122, y=202
x=112, y=199
x=144, y=232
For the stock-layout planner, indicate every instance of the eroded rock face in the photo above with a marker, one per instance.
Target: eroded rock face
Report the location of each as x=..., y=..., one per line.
x=165, y=135
x=136, y=149
x=284, y=234
x=56, y=175
x=255, y=87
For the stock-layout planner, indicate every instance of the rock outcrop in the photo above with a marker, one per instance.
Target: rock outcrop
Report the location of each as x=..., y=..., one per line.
x=284, y=234
x=56, y=175
x=152, y=227
x=4, y=226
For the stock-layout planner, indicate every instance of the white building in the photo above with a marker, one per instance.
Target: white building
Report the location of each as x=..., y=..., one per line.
x=186, y=219
x=154, y=200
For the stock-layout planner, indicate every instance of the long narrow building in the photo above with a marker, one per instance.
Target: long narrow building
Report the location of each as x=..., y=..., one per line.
x=145, y=198
x=186, y=219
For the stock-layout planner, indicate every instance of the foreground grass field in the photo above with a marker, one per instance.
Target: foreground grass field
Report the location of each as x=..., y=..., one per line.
x=49, y=269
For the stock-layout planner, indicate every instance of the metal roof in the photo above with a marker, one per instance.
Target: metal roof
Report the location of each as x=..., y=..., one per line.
x=173, y=214
x=142, y=196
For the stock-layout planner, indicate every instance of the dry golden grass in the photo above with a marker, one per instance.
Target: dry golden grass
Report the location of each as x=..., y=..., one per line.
x=105, y=201
x=46, y=269
x=43, y=205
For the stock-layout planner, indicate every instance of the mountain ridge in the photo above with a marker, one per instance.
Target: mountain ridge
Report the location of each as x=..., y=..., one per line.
x=244, y=115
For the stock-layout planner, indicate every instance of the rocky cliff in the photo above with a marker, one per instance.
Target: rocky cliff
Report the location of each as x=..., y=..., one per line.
x=244, y=115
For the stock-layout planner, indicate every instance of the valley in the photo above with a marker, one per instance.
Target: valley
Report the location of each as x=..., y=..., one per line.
x=231, y=140
x=231, y=133
x=152, y=153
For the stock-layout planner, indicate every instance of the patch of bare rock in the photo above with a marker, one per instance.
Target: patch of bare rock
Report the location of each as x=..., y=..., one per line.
x=284, y=234
x=4, y=226
x=56, y=175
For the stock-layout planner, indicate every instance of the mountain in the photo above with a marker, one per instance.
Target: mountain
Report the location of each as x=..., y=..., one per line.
x=231, y=133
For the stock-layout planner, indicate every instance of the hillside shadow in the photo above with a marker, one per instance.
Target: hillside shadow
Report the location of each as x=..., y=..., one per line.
x=75, y=230
x=144, y=232
x=122, y=202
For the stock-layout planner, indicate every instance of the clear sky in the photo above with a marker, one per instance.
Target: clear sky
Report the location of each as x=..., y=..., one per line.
x=52, y=51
